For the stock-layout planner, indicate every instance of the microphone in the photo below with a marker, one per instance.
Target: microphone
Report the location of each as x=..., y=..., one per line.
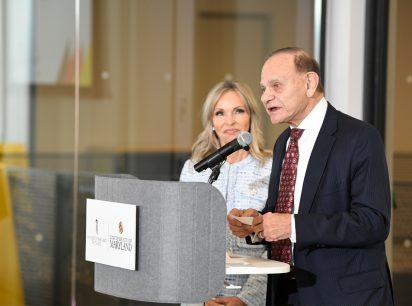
x=242, y=141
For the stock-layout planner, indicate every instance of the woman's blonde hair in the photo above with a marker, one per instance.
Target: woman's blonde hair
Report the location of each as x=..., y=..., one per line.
x=207, y=142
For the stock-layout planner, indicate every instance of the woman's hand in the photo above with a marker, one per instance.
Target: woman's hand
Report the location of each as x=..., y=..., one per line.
x=238, y=228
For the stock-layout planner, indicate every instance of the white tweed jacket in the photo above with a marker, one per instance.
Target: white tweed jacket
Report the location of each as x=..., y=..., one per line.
x=243, y=185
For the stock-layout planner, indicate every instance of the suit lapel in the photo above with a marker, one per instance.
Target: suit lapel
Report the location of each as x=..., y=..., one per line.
x=318, y=159
x=278, y=155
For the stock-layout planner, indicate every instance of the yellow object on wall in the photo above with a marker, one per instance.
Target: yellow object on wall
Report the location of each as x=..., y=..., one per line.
x=13, y=155
x=11, y=292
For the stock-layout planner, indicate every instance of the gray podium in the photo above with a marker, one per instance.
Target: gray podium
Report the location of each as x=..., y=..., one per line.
x=181, y=241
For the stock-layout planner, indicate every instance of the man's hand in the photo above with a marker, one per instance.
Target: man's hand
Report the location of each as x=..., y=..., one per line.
x=276, y=226
x=238, y=228
x=227, y=300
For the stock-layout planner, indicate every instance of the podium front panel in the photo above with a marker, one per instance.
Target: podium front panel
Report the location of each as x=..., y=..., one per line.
x=181, y=253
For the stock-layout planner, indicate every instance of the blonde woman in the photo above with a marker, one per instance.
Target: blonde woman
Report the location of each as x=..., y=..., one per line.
x=229, y=109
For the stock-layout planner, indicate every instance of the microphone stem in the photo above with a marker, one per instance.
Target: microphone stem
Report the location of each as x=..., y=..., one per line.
x=215, y=172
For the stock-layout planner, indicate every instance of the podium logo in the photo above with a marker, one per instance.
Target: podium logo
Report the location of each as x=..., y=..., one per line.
x=121, y=243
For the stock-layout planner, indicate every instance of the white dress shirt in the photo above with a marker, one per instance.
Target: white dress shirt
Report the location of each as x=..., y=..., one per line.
x=311, y=124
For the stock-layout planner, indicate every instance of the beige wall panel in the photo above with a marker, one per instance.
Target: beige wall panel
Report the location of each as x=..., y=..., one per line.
x=403, y=105
x=183, y=93
x=152, y=120
x=132, y=107
x=233, y=38
x=103, y=120
x=151, y=76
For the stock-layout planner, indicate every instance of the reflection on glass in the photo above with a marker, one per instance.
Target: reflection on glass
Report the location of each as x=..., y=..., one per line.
x=145, y=69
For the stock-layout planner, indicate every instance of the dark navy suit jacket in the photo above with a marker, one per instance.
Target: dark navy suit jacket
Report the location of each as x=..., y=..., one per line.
x=343, y=218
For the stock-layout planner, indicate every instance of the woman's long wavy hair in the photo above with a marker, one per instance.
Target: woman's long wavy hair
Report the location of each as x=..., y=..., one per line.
x=207, y=142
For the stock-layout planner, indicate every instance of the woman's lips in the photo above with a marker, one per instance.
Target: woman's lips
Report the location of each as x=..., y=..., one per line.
x=231, y=131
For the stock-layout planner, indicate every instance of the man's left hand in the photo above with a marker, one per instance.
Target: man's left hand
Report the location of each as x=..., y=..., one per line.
x=276, y=226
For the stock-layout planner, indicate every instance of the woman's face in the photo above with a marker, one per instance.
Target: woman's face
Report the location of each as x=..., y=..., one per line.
x=230, y=117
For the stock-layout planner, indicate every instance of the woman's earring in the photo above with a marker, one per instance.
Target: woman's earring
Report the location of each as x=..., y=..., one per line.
x=213, y=128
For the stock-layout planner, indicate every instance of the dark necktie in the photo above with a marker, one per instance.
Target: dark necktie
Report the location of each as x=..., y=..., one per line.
x=282, y=249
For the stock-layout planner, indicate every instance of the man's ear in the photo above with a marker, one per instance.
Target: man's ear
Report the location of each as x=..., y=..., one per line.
x=312, y=81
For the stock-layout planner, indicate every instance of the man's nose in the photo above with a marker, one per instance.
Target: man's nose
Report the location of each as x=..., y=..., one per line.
x=266, y=97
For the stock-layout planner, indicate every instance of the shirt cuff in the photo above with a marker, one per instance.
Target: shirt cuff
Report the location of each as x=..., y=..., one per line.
x=293, y=229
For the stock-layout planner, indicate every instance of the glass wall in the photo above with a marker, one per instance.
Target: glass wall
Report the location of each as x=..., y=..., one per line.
x=103, y=87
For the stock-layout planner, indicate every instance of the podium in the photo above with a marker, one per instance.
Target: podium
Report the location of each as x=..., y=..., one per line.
x=181, y=245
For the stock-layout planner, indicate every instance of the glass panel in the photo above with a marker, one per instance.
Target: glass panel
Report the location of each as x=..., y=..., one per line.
x=145, y=68
x=36, y=154
x=234, y=37
x=154, y=62
x=399, y=141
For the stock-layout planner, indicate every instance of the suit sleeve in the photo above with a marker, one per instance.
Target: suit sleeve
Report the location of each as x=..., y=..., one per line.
x=352, y=204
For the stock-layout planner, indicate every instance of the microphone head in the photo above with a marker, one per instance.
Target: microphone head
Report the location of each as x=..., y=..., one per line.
x=244, y=139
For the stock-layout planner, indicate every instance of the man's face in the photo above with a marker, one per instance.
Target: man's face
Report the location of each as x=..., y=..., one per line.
x=284, y=90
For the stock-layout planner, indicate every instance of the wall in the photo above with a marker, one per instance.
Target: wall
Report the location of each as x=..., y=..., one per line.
x=154, y=61
x=403, y=98
x=130, y=102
